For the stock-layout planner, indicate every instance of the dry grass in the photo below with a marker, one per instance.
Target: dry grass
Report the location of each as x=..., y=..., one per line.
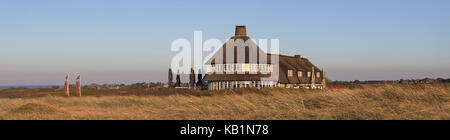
x=363, y=102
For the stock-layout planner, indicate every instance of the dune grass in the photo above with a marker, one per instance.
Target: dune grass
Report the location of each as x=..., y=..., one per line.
x=362, y=102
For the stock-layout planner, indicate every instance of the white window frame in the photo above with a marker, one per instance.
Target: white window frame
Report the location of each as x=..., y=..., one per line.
x=253, y=67
x=227, y=67
x=290, y=73
x=220, y=68
x=237, y=67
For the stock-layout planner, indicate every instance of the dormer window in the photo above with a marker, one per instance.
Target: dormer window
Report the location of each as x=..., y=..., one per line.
x=290, y=73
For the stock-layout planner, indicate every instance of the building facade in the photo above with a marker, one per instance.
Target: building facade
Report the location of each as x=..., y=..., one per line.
x=244, y=67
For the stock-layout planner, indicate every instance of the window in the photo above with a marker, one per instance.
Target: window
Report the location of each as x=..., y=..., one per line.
x=237, y=67
x=318, y=74
x=253, y=67
x=299, y=73
x=246, y=67
x=219, y=68
x=227, y=67
x=309, y=74
x=262, y=67
x=290, y=73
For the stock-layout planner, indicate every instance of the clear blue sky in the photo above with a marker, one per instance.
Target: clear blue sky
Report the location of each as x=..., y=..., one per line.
x=127, y=41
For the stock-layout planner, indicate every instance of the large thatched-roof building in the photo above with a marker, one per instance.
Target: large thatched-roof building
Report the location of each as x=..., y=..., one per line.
x=244, y=69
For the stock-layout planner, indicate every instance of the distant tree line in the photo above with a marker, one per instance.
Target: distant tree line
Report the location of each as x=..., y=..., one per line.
x=401, y=81
x=141, y=85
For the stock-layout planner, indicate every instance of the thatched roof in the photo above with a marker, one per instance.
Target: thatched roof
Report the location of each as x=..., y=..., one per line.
x=238, y=49
x=295, y=63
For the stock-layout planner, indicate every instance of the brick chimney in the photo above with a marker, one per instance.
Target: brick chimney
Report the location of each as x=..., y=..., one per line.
x=241, y=30
x=298, y=56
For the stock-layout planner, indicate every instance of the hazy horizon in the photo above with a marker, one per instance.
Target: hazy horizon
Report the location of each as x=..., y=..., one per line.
x=128, y=41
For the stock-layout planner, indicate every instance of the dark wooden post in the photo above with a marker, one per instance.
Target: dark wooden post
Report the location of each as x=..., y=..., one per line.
x=192, y=79
x=170, y=82
x=199, y=79
x=178, y=83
